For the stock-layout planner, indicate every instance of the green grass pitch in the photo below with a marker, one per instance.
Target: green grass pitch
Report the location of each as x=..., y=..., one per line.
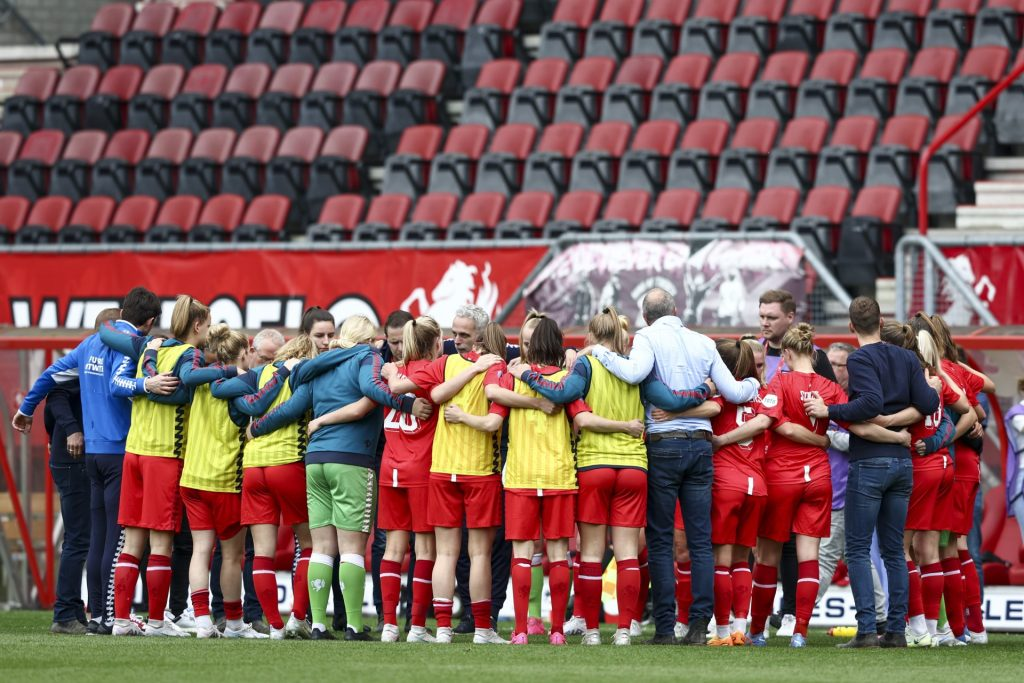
x=28, y=652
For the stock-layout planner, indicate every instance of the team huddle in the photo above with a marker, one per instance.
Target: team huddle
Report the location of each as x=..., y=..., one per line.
x=694, y=462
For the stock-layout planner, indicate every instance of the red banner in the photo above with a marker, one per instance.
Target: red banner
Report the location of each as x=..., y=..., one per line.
x=995, y=273
x=254, y=289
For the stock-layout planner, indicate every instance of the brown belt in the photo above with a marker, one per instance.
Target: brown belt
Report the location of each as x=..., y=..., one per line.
x=698, y=435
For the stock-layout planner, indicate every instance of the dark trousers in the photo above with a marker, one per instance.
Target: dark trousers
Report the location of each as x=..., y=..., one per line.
x=788, y=576
x=679, y=470
x=250, y=603
x=501, y=567
x=106, y=536
x=877, y=495
x=181, y=558
x=380, y=541
x=72, y=484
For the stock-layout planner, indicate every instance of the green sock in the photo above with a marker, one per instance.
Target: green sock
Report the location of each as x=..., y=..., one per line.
x=536, y=590
x=942, y=614
x=321, y=569
x=353, y=581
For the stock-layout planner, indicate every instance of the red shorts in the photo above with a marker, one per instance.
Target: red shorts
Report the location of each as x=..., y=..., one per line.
x=149, y=493
x=680, y=526
x=478, y=500
x=961, y=518
x=614, y=497
x=527, y=515
x=403, y=509
x=930, y=501
x=735, y=517
x=213, y=511
x=804, y=508
x=274, y=495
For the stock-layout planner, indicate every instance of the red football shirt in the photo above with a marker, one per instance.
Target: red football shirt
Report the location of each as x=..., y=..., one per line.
x=966, y=460
x=408, y=440
x=789, y=462
x=739, y=466
x=927, y=427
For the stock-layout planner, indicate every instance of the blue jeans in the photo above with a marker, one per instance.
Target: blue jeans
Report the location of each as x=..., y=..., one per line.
x=679, y=470
x=73, y=485
x=877, y=495
x=107, y=537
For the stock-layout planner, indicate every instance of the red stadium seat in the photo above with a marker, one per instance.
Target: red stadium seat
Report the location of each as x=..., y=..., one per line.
x=141, y=46
x=625, y=212
x=844, y=162
x=596, y=167
x=107, y=109
x=803, y=27
x=980, y=70
x=501, y=169
x=100, y=45
x=399, y=41
x=64, y=109
x=407, y=171
x=444, y=38
x=707, y=31
x=201, y=173
x=674, y=210
x=723, y=210
x=492, y=36
x=774, y=93
x=218, y=219
x=279, y=105
x=13, y=212
x=487, y=102
x=867, y=237
x=951, y=24
x=527, y=213
x=576, y=212
x=676, y=97
x=338, y=218
x=547, y=169
x=311, y=43
x=235, y=107
x=88, y=221
x=288, y=173
x=431, y=218
x=755, y=30
x=579, y=101
x=999, y=24
x=695, y=164
x=955, y=167
x=795, y=162
x=270, y=41
x=416, y=100
x=356, y=41
x=873, y=92
x=774, y=209
x=658, y=32
x=339, y=168
x=366, y=104
x=185, y=44
x=644, y=165
x=70, y=176
x=924, y=89
x=611, y=35
x=821, y=217
x=175, y=219
x=565, y=35
x=264, y=219
x=157, y=174
x=47, y=216
x=192, y=108
x=131, y=219
x=479, y=215
x=533, y=101
x=1009, y=117
x=824, y=92
x=23, y=110
x=852, y=26
x=743, y=164
x=454, y=170
x=902, y=24
x=322, y=105
x=29, y=175
x=10, y=144
x=628, y=99
x=150, y=108
x=386, y=215
x=725, y=95
x=245, y=171
x=226, y=44
x=894, y=160
x=114, y=174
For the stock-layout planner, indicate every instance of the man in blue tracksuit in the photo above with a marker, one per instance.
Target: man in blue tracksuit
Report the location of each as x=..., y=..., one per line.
x=107, y=380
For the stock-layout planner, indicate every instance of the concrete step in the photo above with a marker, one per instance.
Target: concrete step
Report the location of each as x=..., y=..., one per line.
x=1004, y=168
x=990, y=193
x=1003, y=217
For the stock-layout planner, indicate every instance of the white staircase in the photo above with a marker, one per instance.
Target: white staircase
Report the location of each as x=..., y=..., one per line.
x=1000, y=198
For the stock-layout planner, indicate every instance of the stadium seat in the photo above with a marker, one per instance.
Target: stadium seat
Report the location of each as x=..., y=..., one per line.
x=725, y=95
x=527, y=214
x=844, y=162
x=399, y=41
x=658, y=32
x=416, y=100
x=13, y=212
x=64, y=109
x=674, y=211
x=279, y=105
x=492, y=36
x=89, y=219
x=235, y=107
x=175, y=219
x=322, y=105
x=645, y=164
x=611, y=35
x=185, y=44
x=157, y=174
x=431, y=217
x=23, y=109
x=100, y=45
x=565, y=35
x=981, y=68
x=487, y=102
x=795, y=162
x=534, y=101
x=951, y=24
x=200, y=174
x=114, y=174
x=873, y=92
x=193, y=106
x=501, y=168
x=70, y=176
x=366, y=104
x=675, y=98
x=774, y=209
x=625, y=212
x=901, y=25
x=695, y=164
x=337, y=219
x=454, y=170
x=707, y=31
x=226, y=44
x=823, y=93
x=339, y=168
x=288, y=173
x=132, y=218
x=311, y=43
x=479, y=215
x=107, y=109
x=724, y=209
x=852, y=26
x=384, y=218
x=743, y=164
x=141, y=46
x=407, y=171
x=576, y=212
x=29, y=175
x=867, y=236
x=774, y=93
x=954, y=167
x=803, y=26
x=445, y=37
x=924, y=89
x=10, y=144
x=894, y=160
x=548, y=168
x=820, y=218
x=218, y=219
x=150, y=108
x=755, y=30
x=579, y=101
x=596, y=166
x=245, y=172
x=356, y=41
x=270, y=42
x=1009, y=116
x=47, y=216
x=999, y=23
x=628, y=98
x=264, y=219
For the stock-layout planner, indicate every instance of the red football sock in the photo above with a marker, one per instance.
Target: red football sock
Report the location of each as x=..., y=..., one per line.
x=201, y=602
x=588, y=592
x=233, y=610
x=443, y=612
x=723, y=594
x=645, y=586
x=300, y=585
x=741, y=587
x=390, y=588
x=765, y=581
x=627, y=587
x=558, y=582
x=915, y=606
x=126, y=575
x=932, y=581
x=522, y=575
x=954, y=594
x=158, y=583
x=684, y=592
x=482, y=613
x=265, y=580
x=972, y=592
x=806, y=593
x=422, y=591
